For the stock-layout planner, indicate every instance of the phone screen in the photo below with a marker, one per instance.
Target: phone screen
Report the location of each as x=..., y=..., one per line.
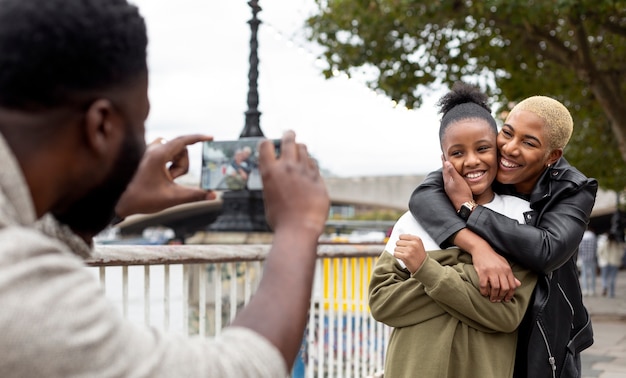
x=232, y=164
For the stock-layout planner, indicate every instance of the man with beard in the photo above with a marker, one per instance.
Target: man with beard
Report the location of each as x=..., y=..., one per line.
x=73, y=102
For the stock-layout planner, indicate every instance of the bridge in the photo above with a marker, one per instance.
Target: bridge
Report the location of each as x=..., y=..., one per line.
x=383, y=192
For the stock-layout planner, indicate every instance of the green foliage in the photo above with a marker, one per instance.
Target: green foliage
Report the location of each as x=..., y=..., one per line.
x=594, y=148
x=573, y=50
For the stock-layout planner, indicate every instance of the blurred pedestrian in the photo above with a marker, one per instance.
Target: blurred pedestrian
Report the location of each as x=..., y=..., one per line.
x=610, y=253
x=587, y=256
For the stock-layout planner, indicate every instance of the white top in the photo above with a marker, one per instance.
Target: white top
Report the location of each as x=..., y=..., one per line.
x=511, y=206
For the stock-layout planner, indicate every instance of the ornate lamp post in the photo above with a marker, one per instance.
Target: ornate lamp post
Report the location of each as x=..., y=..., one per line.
x=243, y=210
x=252, y=127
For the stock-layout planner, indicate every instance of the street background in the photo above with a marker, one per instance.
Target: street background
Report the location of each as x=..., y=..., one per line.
x=606, y=358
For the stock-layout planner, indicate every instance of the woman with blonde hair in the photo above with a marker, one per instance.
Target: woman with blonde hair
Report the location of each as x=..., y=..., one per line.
x=557, y=326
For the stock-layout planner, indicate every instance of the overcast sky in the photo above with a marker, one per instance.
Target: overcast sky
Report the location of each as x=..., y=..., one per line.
x=198, y=56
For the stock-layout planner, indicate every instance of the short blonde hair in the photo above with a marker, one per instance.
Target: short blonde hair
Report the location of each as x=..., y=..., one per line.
x=559, y=124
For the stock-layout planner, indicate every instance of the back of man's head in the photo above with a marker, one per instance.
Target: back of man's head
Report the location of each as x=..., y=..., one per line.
x=62, y=52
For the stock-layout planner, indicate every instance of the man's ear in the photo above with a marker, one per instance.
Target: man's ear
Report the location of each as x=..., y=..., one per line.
x=554, y=156
x=103, y=126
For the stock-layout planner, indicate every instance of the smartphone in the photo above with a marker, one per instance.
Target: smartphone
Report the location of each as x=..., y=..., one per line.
x=232, y=164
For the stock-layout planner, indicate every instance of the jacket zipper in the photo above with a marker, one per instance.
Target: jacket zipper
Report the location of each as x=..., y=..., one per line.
x=571, y=308
x=551, y=359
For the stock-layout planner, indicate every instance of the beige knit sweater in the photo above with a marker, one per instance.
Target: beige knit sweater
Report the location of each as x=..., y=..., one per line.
x=56, y=322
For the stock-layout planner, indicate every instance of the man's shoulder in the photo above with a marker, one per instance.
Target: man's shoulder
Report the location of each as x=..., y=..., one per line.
x=21, y=243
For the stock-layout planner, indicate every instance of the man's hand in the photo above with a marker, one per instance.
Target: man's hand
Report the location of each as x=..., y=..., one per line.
x=456, y=187
x=153, y=188
x=294, y=192
x=296, y=207
x=410, y=249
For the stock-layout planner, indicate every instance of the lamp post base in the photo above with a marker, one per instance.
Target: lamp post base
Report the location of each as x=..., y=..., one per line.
x=242, y=210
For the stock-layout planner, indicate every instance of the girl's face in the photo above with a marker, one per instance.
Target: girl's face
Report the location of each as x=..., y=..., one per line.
x=470, y=145
x=524, y=151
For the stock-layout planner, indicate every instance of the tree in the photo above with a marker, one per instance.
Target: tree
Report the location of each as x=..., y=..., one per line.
x=571, y=50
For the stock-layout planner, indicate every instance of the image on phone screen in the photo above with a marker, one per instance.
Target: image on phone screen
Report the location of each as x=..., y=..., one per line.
x=232, y=164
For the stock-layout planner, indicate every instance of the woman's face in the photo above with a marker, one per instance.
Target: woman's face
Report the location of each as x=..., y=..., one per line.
x=470, y=145
x=524, y=150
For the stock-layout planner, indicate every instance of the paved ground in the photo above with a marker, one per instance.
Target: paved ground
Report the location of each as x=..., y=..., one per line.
x=606, y=358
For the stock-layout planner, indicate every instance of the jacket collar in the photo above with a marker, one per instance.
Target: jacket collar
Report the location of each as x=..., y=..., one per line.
x=559, y=171
x=543, y=187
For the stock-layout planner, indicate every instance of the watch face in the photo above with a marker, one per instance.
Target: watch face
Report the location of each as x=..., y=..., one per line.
x=465, y=211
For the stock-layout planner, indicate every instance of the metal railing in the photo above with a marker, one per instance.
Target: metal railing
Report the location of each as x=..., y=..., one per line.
x=198, y=289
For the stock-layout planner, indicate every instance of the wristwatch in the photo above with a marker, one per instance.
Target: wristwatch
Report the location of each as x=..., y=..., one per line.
x=466, y=209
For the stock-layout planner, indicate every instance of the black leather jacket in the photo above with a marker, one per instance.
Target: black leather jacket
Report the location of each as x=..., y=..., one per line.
x=557, y=326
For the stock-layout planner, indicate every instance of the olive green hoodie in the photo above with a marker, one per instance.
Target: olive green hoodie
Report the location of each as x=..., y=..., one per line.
x=444, y=327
